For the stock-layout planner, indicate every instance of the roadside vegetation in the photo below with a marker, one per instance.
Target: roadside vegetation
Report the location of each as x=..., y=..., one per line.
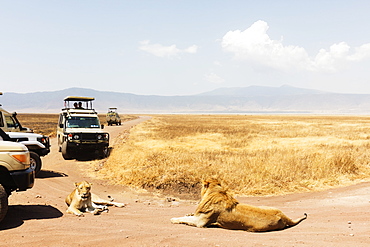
x=45, y=124
x=254, y=155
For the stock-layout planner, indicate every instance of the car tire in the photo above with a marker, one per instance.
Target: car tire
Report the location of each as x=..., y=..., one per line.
x=3, y=202
x=103, y=153
x=65, y=152
x=35, y=161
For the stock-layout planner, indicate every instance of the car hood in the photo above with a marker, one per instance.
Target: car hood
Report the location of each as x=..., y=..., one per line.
x=22, y=134
x=83, y=130
x=12, y=146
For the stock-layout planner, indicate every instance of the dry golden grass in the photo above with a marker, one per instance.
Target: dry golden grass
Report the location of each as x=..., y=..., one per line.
x=255, y=155
x=45, y=124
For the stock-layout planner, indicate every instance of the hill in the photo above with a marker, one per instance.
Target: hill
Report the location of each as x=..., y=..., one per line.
x=246, y=100
x=260, y=91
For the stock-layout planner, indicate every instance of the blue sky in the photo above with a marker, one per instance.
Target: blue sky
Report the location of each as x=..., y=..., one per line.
x=184, y=47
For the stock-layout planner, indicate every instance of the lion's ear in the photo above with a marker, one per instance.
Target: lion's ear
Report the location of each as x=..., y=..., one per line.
x=76, y=184
x=205, y=184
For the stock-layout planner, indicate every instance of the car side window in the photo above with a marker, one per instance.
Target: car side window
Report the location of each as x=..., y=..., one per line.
x=10, y=122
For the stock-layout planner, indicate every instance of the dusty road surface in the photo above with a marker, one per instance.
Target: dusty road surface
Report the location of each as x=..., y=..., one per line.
x=337, y=217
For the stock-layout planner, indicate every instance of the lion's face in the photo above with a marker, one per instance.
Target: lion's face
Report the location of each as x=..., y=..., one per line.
x=83, y=190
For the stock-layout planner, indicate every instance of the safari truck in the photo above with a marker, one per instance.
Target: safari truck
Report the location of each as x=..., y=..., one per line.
x=79, y=131
x=15, y=172
x=10, y=123
x=38, y=145
x=113, y=117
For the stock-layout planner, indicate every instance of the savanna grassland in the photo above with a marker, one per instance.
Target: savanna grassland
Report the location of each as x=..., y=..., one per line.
x=253, y=155
x=45, y=124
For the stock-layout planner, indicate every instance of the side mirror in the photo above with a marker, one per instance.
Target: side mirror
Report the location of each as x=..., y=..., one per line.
x=102, y=126
x=61, y=125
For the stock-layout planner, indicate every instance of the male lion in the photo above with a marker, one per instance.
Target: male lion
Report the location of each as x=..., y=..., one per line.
x=218, y=207
x=82, y=200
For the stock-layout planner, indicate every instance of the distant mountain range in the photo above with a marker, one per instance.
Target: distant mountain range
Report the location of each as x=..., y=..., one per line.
x=241, y=100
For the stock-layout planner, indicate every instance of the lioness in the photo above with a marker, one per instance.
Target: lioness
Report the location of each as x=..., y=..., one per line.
x=82, y=200
x=218, y=207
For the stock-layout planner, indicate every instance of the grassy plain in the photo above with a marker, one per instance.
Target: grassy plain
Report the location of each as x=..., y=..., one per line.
x=254, y=155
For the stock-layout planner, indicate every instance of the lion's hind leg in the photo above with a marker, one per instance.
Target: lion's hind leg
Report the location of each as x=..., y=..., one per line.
x=94, y=211
x=91, y=209
x=99, y=201
x=99, y=207
x=192, y=220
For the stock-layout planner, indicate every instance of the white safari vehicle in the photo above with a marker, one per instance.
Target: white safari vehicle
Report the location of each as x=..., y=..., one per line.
x=79, y=131
x=113, y=117
x=12, y=130
x=15, y=172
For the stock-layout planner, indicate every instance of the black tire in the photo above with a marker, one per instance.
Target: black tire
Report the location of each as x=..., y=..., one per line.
x=3, y=202
x=65, y=152
x=103, y=153
x=36, y=163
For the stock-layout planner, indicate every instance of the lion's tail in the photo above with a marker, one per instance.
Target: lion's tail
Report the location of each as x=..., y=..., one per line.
x=291, y=223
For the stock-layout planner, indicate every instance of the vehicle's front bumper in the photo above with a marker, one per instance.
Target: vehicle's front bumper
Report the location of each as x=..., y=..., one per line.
x=23, y=179
x=87, y=145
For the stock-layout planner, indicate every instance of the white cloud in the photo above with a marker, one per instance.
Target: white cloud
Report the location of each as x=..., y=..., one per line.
x=253, y=44
x=217, y=63
x=362, y=52
x=191, y=49
x=165, y=51
x=213, y=78
x=332, y=59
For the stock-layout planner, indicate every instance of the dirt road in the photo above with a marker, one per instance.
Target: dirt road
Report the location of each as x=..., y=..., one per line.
x=337, y=217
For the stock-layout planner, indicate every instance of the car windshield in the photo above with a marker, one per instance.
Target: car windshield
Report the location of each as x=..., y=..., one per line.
x=112, y=114
x=82, y=122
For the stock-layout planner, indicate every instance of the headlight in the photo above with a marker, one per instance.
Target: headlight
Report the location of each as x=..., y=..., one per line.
x=73, y=137
x=102, y=136
x=44, y=140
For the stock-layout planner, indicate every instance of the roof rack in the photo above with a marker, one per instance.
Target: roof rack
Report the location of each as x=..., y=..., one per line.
x=78, y=103
x=78, y=98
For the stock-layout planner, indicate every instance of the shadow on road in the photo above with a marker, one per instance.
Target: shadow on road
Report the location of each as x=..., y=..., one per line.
x=17, y=214
x=92, y=156
x=50, y=174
